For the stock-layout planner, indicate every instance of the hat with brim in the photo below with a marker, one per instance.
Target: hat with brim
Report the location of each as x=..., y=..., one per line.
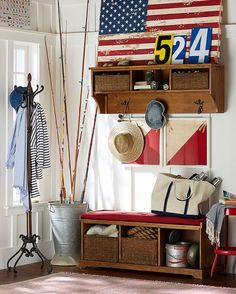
x=126, y=142
x=17, y=97
x=154, y=115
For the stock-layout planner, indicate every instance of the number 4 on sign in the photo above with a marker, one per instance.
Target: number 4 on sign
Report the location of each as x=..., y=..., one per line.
x=200, y=45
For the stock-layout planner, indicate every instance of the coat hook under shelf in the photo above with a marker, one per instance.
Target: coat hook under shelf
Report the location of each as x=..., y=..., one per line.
x=199, y=103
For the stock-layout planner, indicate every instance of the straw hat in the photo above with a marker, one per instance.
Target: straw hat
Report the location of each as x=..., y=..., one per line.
x=126, y=142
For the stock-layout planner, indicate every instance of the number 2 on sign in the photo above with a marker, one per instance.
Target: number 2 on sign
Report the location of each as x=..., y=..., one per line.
x=179, y=49
x=163, y=49
x=200, y=45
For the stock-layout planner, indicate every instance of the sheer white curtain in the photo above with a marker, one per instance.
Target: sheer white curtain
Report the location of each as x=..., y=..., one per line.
x=118, y=186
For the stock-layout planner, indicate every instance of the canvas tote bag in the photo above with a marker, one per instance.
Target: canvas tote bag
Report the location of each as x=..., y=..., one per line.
x=178, y=196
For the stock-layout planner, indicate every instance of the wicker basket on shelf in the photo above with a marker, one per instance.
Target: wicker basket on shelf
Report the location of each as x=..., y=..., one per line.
x=111, y=82
x=190, y=80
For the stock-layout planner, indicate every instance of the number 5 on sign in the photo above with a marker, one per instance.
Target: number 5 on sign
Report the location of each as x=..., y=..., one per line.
x=163, y=49
x=200, y=45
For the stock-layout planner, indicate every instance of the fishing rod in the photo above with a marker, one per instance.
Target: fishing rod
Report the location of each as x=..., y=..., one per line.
x=64, y=94
x=63, y=194
x=89, y=155
x=79, y=111
x=83, y=119
x=63, y=190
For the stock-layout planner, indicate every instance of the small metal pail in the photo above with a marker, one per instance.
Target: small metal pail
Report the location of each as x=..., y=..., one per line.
x=176, y=254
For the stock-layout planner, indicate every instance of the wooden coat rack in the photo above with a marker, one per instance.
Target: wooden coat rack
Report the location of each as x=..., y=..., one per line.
x=29, y=239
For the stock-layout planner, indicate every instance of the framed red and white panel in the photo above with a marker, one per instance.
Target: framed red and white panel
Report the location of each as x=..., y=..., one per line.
x=152, y=152
x=186, y=142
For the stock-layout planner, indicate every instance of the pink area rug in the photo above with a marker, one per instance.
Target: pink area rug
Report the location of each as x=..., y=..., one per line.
x=70, y=283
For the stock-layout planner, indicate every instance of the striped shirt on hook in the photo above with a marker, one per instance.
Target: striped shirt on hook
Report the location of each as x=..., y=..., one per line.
x=39, y=147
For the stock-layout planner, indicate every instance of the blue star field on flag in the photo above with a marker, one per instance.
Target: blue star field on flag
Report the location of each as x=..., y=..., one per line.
x=123, y=16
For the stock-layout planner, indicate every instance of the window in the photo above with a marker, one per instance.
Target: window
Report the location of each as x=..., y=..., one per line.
x=25, y=60
x=19, y=71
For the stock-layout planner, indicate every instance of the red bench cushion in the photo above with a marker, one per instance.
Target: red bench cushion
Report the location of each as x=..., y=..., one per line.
x=147, y=217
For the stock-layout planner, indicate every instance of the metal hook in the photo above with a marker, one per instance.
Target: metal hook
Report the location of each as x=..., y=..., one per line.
x=125, y=105
x=37, y=87
x=36, y=92
x=200, y=103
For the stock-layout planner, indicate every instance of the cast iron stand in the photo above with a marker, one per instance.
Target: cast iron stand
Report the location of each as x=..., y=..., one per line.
x=29, y=238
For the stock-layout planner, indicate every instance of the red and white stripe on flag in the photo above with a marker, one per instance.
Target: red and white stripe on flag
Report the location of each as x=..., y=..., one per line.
x=176, y=17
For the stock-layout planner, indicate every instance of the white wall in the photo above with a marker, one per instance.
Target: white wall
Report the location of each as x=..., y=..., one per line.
x=115, y=186
x=110, y=184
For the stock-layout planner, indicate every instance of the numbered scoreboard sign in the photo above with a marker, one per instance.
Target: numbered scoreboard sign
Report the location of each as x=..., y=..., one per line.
x=163, y=49
x=200, y=45
x=179, y=49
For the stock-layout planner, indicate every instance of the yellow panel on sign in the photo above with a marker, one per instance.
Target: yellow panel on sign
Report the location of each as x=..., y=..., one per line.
x=163, y=49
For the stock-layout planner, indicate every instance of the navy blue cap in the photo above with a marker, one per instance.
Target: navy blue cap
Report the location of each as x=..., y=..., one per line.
x=16, y=97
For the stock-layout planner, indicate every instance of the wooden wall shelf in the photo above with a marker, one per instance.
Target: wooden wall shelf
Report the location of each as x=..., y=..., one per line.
x=188, y=84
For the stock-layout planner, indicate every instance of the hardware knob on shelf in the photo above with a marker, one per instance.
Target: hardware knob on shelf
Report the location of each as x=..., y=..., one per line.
x=199, y=104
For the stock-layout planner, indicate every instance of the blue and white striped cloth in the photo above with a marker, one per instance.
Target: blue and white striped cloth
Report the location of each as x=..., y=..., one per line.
x=39, y=151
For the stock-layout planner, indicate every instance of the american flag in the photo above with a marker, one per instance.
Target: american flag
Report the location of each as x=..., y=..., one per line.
x=128, y=28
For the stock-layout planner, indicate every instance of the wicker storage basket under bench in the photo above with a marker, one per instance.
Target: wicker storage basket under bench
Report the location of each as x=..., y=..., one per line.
x=141, y=241
x=93, y=245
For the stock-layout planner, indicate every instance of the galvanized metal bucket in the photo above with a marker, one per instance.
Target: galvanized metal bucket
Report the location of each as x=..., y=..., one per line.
x=176, y=254
x=65, y=221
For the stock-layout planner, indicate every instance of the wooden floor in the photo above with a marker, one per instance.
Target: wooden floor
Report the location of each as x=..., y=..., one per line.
x=33, y=271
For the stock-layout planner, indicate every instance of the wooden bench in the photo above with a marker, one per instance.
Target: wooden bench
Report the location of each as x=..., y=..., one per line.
x=145, y=254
